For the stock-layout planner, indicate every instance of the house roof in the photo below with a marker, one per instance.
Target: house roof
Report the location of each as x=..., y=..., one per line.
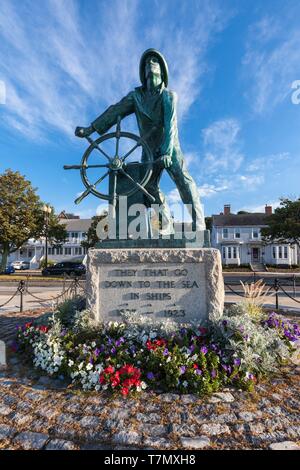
x=76, y=225
x=237, y=220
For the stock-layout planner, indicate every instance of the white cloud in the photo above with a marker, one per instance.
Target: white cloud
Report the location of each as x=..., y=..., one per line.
x=271, y=61
x=63, y=65
x=260, y=207
x=222, y=146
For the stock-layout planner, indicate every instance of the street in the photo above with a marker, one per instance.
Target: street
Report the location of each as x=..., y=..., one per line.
x=233, y=292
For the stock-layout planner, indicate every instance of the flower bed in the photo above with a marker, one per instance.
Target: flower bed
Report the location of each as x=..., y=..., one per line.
x=136, y=354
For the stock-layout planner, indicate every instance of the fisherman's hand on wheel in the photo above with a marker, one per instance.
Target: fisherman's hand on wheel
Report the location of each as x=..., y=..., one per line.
x=83, y=131
x=167, y=160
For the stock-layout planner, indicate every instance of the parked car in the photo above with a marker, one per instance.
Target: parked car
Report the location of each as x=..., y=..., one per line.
x=8, y=270
x=20, y=265
x=72, y=269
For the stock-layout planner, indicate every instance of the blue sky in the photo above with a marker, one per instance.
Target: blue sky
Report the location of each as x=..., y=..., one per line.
x=232, y=64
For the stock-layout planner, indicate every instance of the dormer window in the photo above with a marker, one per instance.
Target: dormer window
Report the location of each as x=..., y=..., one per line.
x=255, y=233
x=237, y=233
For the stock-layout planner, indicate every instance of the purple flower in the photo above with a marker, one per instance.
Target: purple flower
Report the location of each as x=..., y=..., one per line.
x=214, y=347
x=120, y=341
x=192, y=347
x=166, y=352
x=213, y=374
x=113, y=350
x=182, y=369
x=97, y=352
x=237, y=361
x=225, y=322
x=203, y=349
x=132, y=349
x=225, y=367
x=183, y=331
x=198, y=371
x=102, y=348
x=91, y=360
x=150, y=376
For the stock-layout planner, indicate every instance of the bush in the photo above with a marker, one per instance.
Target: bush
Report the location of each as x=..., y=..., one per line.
x=50, y=262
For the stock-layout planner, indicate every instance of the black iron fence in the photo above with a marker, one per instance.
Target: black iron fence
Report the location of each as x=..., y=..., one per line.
x=75, y=287
x=274, y=285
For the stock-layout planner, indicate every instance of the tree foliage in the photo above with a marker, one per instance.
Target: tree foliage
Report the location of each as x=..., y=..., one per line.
x=21, y=215
x=91, y=236
x=284, y=224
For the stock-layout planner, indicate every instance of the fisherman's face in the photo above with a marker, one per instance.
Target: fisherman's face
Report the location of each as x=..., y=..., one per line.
x=152, y=66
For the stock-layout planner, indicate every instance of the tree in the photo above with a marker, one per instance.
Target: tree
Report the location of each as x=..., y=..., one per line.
x=91, y=236
x=284, y=224
x=21, y=215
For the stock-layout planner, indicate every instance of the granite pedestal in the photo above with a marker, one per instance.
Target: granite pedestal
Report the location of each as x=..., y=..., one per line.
x=183, y=284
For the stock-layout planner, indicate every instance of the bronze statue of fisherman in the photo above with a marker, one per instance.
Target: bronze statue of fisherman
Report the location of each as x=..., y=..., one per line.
x=155, y=106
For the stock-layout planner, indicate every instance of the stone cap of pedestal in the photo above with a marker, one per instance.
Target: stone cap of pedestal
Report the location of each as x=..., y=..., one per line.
x=153, y=255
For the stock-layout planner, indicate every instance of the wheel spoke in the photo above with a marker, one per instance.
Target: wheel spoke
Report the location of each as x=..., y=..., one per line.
x=139, y=143
x=96, y=146
x=118, y=131
x=141, y=188
x=79, y=167
x=88, y=190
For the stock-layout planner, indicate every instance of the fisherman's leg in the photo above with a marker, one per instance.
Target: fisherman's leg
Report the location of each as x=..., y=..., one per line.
x=160, y=200
x=188, y=192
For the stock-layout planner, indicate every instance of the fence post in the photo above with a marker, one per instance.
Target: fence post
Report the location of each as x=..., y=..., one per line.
x=276, y=288
x=294, y=285
x=21, y=289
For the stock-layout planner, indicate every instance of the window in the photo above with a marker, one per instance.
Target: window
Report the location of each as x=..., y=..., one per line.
x=234, y=252
x=280, y=252
x=255, y=232
x=78, y=251
x=83, y=235
x=225, y=232
x=274, y=252
x=224, y=252
x=84, y=250
x=237, y=233
x=68, y=251
x=285, y=255
x=229, y=252
x=75, y=234
x=59, y=250
x=50, y=251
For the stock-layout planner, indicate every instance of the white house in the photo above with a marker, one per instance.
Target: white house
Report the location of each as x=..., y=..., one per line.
x=238, y=238
x=34, y=250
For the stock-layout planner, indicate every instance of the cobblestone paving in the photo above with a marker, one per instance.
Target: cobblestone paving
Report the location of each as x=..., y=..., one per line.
x=37, y=412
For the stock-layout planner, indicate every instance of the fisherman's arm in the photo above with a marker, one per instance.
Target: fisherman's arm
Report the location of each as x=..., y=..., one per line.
x=170, y=128
x=107, y=119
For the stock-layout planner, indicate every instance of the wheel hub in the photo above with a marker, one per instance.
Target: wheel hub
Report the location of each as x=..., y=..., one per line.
x=116, y=164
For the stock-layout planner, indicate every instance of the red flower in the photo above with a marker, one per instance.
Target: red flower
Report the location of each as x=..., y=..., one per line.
x=44, y=328
x=157, y=343
x=28, y=324
x=125, y=391
x=202, y=330
x=195, y=366
x=109, y=370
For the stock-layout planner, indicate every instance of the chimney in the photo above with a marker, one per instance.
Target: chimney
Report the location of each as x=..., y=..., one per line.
x=268, y=210
x=227, y=209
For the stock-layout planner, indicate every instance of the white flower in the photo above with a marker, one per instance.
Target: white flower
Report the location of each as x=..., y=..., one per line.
x=70, y=363
x=185, y=384
x=93, y=344
x=89, y=366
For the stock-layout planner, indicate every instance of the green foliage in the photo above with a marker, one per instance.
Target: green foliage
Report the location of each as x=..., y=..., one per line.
x=50, y=262
x=91, y=236
x=21, y=215
x=284, y=224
